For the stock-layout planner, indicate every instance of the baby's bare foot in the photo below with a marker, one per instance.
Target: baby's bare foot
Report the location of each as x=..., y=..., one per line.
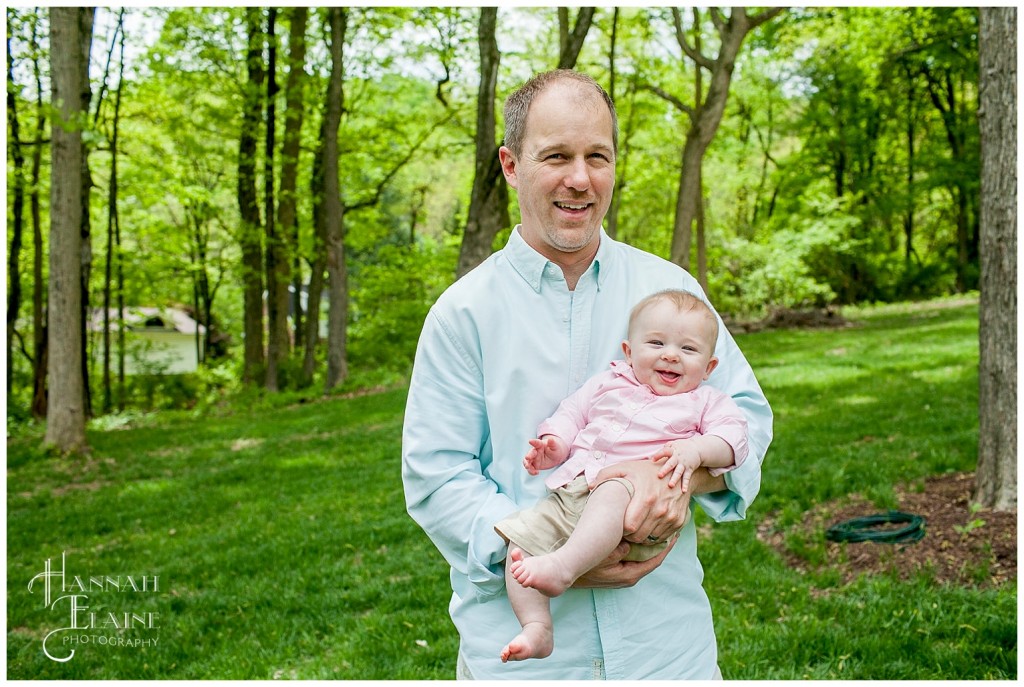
x=545, y=573
x=535, y=641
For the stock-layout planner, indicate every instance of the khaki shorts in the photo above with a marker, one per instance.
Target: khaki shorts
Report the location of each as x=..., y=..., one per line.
x=547, y=526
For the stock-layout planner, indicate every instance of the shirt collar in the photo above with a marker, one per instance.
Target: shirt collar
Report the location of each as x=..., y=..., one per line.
x=623, y=369
x=531, y=265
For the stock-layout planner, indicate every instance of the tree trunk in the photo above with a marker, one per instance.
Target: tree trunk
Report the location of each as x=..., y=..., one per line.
x=286, y=208
x=248, y=205
x=70, y=37
x=611, y=220
x=488, y=205
x=334, y=211
x=277, y=319
x=706, y=116
x=112, y=229
x=571, y=42
x=318, y=263
x=85, y=178
x=39, y=333
x=17, y=223
x=996, y=478
x=282, y=235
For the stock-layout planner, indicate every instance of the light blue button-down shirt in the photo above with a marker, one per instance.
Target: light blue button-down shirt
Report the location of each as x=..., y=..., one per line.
x=498, y=352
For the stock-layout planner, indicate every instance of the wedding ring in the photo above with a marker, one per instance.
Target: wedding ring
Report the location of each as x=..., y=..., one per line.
x=651, y=538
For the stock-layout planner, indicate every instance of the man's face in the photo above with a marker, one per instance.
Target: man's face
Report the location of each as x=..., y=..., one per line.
x=566, y=172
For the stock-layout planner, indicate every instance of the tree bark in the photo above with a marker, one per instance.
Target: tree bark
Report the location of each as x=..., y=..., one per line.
x=277, y=345
x=70, y=38
x=17, y=223
x=571, y=42
x=85, y=178
x=112, y=227
x=334, y=210
x=318, y=263
x=248, y=205
x=996, y=477
x=488, y=205
x=39, y=332
x=286, y=208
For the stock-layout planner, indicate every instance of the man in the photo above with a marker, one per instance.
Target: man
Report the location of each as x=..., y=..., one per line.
x=499, y=350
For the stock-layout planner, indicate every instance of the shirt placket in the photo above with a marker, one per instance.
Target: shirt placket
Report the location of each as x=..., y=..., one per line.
x=580, y=301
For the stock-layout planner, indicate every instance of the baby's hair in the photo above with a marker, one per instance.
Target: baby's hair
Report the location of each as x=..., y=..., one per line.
x=684, y=302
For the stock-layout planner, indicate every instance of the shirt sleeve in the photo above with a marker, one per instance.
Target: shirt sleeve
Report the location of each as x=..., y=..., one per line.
x=444, y=449
x=735, y=377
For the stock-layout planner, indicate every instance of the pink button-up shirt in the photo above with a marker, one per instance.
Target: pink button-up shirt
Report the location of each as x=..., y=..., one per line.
x=614, y=418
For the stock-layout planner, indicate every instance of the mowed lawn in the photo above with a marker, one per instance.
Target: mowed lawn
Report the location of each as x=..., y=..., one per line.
x=277, y=535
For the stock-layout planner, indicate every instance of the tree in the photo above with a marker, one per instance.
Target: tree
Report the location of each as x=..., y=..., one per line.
x=333, y=209
x=705, y=115
x=249, y=233
x=17, y=207
x=113, y=226
x=285, y=247
x=39, y=332
x=70, y=41
x=488, y=205
x=570, y=42
x=996, y=478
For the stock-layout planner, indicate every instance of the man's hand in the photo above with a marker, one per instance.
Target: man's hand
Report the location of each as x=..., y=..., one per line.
x=615, y=573
x=656, y=511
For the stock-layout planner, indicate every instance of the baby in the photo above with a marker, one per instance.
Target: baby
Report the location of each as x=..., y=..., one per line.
x=650, y=406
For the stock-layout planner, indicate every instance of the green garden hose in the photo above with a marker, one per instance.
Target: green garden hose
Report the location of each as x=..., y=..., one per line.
x=865, y=528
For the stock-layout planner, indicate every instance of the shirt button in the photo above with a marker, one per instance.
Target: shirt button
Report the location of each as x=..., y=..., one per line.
x=616, y=427
x=599, y=455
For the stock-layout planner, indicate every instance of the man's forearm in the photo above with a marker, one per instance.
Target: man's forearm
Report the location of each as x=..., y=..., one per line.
x=703, y=483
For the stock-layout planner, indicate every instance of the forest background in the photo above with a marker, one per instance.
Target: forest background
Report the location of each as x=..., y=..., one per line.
x=845, y=170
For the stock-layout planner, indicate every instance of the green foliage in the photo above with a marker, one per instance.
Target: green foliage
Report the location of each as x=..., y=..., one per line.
x=845, y=169
x=391, y=300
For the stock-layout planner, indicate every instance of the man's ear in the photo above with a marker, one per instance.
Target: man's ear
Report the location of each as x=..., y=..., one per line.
x=508, y=166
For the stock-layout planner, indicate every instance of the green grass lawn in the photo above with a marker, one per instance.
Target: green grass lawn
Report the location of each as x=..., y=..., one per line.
x=278, y=532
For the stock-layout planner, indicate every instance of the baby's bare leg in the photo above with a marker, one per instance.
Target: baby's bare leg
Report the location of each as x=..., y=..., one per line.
x=534, y=613
x=596, y=535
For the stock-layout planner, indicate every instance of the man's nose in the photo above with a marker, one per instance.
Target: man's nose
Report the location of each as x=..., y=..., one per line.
x=578, y=176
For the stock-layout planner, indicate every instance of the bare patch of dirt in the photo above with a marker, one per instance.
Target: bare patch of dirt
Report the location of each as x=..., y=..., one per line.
x=963, y=545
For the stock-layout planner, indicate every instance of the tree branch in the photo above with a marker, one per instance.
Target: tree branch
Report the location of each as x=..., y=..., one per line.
x=760, y=18
x=691, y=52
x=379, y=192
x=668, y=97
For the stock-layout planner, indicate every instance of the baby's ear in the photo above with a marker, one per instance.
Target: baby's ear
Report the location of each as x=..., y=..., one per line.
x=625, y=349
x=712, y=364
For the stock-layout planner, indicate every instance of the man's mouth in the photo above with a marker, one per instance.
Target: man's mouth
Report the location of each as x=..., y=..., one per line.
x=575, y=207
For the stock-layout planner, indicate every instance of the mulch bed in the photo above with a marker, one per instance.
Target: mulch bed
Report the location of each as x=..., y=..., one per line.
x=961, y=546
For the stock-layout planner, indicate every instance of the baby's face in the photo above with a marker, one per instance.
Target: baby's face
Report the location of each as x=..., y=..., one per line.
x=669, y=350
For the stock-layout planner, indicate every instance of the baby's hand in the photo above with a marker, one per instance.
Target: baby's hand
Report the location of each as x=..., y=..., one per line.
x=545, y=453
x=678, y=458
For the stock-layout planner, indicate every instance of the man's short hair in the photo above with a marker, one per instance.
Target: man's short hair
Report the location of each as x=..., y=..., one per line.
x=517, y=106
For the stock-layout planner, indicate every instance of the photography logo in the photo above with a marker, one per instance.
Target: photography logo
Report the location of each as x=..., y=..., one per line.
x=84, y=603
